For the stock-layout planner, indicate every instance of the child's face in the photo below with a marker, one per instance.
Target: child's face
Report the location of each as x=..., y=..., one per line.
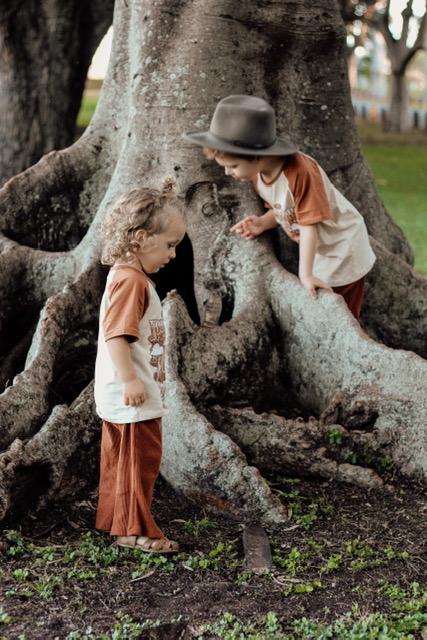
x=157, y=250
x=238, y=168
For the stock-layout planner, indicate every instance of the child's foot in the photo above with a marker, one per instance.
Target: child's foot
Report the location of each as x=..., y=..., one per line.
x=149, y=545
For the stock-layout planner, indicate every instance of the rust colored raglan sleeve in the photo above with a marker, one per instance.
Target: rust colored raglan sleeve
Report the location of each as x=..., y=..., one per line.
x=128, y=298
x=306, y=184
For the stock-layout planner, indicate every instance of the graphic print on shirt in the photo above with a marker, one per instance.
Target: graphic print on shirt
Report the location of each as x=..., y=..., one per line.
x=287, y=220
x=157, y=352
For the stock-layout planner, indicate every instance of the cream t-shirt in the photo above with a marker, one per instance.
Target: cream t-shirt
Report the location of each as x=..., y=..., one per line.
x=130, y=307
x=303, y=194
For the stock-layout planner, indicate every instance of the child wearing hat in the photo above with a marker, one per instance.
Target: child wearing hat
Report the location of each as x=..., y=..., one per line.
x=334, y=249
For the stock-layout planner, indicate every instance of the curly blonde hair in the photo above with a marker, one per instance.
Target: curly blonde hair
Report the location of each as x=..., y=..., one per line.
x=137, y=209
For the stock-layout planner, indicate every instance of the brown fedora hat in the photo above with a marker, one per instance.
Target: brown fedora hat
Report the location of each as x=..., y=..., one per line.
x=243, y=125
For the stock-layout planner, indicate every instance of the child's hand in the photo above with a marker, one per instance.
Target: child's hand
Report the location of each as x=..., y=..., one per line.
x=134, y=393
x=249, y=227
x=311, y=283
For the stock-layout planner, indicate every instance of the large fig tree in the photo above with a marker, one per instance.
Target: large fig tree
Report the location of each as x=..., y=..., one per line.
x=260, y=377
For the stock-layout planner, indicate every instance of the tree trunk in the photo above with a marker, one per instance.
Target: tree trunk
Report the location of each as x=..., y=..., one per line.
x=45, y=52
x=398, y=103
x=270, y=376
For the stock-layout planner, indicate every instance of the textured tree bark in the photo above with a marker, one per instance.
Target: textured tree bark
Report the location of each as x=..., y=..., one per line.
x=399, y=103
x=270, y=377
x=45, y=52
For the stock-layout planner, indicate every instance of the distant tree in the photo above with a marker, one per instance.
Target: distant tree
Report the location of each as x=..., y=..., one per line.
x=401, y=50
x=46, y=47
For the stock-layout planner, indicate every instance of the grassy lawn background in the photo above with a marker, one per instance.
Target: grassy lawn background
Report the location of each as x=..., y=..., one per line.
x=399, y=164
x=87, y=108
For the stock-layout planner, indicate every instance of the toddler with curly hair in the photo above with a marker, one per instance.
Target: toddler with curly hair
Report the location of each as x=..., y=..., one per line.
x=139, y=237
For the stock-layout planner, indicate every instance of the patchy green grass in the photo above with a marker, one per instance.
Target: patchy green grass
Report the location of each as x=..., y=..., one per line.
x=304, y=511
x=353, y=571
x=372, y=133
x=125, y=628
x=407, y=618
x=399, y=164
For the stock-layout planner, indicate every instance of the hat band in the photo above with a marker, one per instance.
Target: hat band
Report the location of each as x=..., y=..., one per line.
x=245, y=145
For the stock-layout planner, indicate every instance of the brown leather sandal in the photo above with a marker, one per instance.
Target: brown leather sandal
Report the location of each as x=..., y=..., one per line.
x=148, y=545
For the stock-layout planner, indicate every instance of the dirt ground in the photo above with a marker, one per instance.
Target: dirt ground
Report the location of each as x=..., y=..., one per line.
x=349, y=564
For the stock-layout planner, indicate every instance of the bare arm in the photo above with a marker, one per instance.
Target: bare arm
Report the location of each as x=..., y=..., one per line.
x=119, y=350
x=252, y=226
x=307, y=251
x=268, y=220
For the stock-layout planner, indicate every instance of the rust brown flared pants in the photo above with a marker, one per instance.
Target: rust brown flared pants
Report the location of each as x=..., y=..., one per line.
x=353, y=294
x=129, y=466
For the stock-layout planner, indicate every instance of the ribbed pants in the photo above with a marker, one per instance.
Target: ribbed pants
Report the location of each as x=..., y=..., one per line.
x=129, y=466
x=353, y=294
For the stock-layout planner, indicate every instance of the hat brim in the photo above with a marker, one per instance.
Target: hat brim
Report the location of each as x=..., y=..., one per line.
x=281, y=147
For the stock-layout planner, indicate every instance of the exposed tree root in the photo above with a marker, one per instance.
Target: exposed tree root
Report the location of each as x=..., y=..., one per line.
x=201, y=462
x=50, y=466
x=25, y=404
x=291, y=447
x=263, y=345
x=44, y=195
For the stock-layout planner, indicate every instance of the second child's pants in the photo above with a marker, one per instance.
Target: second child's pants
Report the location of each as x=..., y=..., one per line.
x=353, y=294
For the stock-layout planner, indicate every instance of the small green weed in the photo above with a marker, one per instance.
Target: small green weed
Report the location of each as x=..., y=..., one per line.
x=363, y=556
x=392, y=554
x=317, y=547
x=375, y=626
x=44, y=587
x=152, y=561
x=386, y=464
x=304, y=516
x=196, y=527
x=5, y=617
x=303, y=587
x=78, y=574
x=333, y=563
x=335, y=437
x=224, y=555
x=20, y=574
x=90, y=549
x=244, y=577
x=15, y=544
x=125, y=628
x=293, y=563
x=412, y=600
x=231, y=628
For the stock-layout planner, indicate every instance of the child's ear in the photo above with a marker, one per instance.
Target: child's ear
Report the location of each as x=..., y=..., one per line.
x=140, y=235
x=144, y=239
